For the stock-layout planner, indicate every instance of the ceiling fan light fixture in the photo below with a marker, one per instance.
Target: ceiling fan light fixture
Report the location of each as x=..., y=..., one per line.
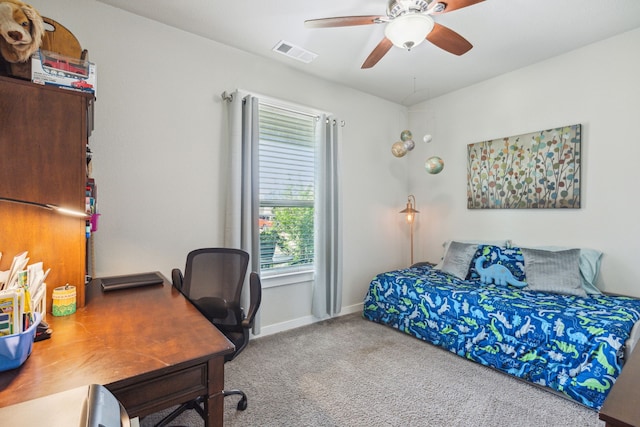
x=409, y=30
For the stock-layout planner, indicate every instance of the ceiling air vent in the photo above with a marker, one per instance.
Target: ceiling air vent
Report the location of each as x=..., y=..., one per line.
x=295, y=52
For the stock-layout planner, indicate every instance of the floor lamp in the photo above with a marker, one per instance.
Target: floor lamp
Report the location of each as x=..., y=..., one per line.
x=410, y=212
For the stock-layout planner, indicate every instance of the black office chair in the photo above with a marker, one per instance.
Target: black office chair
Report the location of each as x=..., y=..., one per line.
x=213, y=281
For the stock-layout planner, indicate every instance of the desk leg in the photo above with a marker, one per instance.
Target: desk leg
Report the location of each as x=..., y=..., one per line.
x=214, y=404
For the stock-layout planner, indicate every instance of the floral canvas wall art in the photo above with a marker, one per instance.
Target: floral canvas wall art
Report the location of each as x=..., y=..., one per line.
x=534, y=170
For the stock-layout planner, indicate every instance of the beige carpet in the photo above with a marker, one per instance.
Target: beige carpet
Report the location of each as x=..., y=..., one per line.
x=352, y=372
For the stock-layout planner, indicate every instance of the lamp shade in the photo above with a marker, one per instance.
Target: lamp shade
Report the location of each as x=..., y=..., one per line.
x=409, y=30
x=410, y=211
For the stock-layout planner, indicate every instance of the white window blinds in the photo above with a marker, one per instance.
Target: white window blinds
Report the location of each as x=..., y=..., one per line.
x=287, y=180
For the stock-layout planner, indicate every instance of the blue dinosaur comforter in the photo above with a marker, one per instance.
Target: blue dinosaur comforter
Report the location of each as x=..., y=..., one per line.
x=570, y=344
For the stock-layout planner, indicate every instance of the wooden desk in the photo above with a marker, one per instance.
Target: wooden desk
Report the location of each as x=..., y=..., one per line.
x=622, y=406
x=149, y=346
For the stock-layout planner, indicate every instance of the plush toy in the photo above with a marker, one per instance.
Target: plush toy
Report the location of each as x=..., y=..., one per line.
x=496, y=273
x=21, y=31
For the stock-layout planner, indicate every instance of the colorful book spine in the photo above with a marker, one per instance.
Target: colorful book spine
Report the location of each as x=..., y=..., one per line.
x=10, y=314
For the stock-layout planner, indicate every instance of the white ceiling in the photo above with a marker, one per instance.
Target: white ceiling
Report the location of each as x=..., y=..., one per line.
x=506, y=35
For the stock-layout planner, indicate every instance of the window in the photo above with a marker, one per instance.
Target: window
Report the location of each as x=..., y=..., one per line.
x=288, y=143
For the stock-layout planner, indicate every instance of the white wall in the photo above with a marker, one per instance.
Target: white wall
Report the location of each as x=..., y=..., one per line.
x=159, y=150
x=596, y=86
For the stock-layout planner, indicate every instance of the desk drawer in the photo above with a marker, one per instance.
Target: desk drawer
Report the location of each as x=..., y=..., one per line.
x=152, y=394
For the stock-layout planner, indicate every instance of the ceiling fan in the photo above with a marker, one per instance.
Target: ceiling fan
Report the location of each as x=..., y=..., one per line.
x=408, y=23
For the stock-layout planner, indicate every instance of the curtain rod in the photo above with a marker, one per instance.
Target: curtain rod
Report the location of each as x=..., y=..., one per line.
x=226, y=96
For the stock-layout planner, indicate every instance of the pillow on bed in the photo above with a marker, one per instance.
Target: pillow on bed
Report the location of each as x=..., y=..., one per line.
x=589, y=269
x=589, y=266
x=553, y=271
x=511, y=258
x=445, y=245
x=457, y=258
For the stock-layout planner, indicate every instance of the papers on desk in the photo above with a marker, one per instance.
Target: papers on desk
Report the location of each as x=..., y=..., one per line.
x=19, y=287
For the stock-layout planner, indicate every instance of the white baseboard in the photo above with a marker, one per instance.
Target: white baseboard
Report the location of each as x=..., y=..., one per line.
x=302, y=321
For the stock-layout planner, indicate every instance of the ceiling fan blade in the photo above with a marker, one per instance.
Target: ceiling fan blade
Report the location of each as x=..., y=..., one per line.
x=447, y=39
x=456, y=4
x=344, y=21
x=377, y=53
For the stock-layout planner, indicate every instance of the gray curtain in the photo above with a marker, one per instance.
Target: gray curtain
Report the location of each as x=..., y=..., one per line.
x=327, y=287
x=242, y=189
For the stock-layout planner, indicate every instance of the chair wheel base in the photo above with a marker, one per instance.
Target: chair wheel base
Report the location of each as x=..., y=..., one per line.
x=194, y=404
x=242, y=404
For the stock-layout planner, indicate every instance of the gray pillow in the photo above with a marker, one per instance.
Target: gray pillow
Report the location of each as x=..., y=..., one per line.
x=445, y=245
x=590, y=260
x=553, y=271
x=458, y=258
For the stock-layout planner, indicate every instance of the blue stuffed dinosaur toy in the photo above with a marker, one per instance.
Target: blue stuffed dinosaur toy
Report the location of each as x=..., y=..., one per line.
x=496, y=273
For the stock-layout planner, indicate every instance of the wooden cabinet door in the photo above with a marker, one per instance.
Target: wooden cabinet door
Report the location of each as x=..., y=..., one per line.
x=43, y=137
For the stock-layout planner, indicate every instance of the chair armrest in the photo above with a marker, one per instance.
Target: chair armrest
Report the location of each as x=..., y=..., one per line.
x=177, y=278
x=255, y=287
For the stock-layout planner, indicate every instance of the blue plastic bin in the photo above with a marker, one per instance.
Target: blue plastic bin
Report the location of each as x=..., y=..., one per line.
x=14, y=349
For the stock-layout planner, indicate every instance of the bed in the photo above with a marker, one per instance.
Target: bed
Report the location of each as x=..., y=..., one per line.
x=549, y=327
